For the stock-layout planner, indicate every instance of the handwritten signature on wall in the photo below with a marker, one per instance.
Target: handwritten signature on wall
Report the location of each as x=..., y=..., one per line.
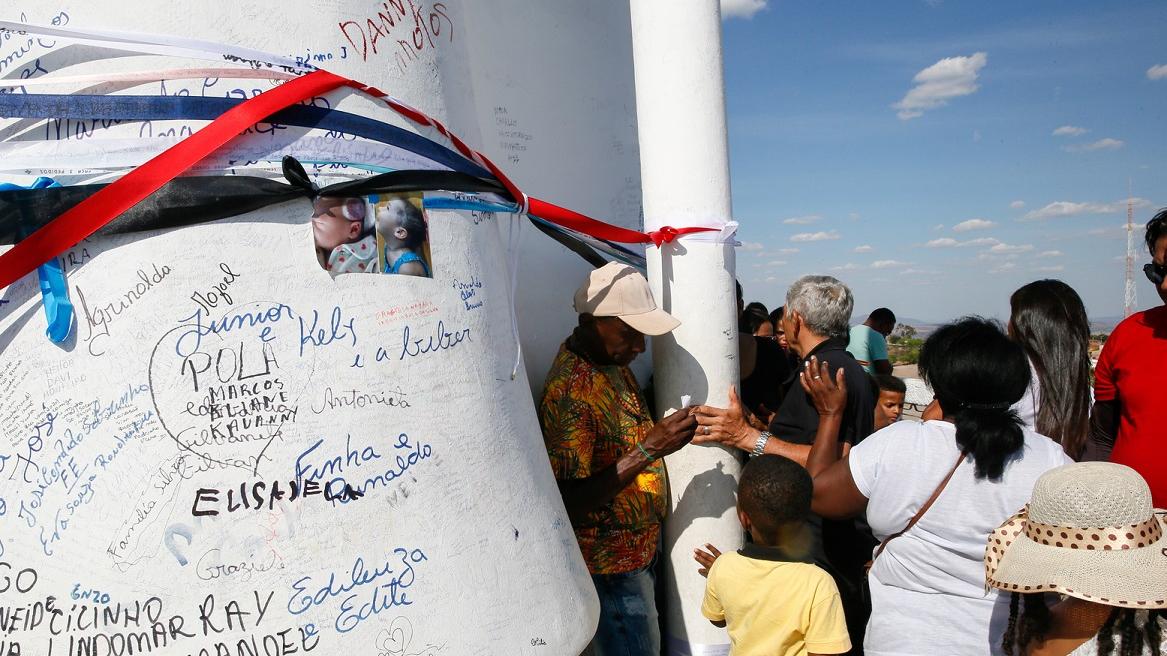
x=393, y=23
x=365, y=593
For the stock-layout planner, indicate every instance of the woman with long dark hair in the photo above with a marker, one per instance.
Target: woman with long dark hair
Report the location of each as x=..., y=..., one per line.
x=1049, y=321
x=933, y=491
x=1113, y=580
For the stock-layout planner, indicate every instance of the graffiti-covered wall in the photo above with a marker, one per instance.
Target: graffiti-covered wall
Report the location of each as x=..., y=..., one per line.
x=300, y=428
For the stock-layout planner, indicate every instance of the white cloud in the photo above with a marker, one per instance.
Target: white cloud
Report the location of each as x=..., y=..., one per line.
x=948, y=78
x=973, y=224
x=787, y=251
x=752, y=246
x=803, y=220
x=1109, y=231
x=1007, y=266
x=1157, y=72
x=1050, y=269
x=949, y=242
x=888, y=264
x=1069, y=131
x=1050, y=254
x=1061, y=208
x=938, y=226
x=980, y=241
x=1101, y=144
x=771, y=279
x=865, y=248
x=741, y=8
x=1004, y=248
x=1017, y=204
x=776, y=263
x=816, y=236
x=850, y=266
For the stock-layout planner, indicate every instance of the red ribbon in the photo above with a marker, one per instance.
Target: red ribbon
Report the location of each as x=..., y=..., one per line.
x=88, y=216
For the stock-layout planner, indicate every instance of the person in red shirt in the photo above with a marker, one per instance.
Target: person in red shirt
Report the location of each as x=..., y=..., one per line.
x=1129, y=413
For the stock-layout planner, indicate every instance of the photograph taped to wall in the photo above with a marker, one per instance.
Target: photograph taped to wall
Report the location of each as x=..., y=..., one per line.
x=344, y=235
x=402, y=234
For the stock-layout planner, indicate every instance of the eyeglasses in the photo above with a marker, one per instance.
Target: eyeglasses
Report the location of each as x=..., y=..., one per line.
x=1155, y=272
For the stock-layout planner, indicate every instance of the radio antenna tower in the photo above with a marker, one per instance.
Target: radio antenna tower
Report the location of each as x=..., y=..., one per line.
x=1130, y=297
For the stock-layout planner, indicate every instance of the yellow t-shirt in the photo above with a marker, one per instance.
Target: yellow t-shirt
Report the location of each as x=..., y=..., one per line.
x=772, y=607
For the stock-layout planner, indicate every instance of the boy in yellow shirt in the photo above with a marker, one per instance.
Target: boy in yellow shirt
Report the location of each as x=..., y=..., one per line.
x=769, y=595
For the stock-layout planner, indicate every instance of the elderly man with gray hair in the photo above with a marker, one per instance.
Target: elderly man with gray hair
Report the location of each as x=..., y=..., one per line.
x=817, y=324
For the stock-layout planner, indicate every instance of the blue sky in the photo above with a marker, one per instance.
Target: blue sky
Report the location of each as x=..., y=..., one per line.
x=913, y=149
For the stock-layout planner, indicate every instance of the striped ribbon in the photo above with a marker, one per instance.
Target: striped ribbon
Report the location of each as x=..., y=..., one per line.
x=95, y=211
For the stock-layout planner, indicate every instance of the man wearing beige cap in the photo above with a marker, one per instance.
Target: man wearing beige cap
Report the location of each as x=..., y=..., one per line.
x=605, y=452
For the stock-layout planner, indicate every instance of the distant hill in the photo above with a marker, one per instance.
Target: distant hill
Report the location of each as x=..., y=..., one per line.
x=1104, y=324
x=923, y=328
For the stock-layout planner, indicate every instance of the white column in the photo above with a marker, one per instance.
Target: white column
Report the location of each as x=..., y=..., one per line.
x=684, y=165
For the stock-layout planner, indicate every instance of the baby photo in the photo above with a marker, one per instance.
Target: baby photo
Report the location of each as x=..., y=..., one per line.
x=402, y=235
x=345, y=238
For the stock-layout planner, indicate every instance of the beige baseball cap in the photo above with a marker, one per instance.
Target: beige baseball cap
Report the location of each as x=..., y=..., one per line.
x=618, y=290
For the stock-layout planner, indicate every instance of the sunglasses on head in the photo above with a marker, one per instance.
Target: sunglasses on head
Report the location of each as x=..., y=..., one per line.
x=1155, y=272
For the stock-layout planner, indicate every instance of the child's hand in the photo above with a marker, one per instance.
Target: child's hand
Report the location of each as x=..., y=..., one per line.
x=705, y=558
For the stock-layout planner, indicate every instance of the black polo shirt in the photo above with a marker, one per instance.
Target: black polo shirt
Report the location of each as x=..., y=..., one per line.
x=840, y=547
x=796, y=419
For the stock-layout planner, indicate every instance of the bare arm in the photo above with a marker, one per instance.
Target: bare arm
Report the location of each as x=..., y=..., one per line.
x=835, y=493
x=1103, y=429
x=799, y=453
x=733, y=426
x=1073, y=622
x=779, y=447
x=584, y=495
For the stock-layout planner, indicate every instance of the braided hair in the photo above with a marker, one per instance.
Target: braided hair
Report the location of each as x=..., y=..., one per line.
x=1120, y=635
x=1134, y=640
x=1028, y=626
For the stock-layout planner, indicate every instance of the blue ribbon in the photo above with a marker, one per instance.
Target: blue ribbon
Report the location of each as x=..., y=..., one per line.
x=197, y=108
x=447, y=203
x=54, y=291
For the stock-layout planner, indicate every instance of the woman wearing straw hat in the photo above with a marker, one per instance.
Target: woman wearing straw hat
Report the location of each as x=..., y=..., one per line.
x=933, y=491
x=1113, y=578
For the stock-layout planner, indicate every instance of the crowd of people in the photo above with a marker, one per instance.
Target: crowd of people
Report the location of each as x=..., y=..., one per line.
x=1018, y=517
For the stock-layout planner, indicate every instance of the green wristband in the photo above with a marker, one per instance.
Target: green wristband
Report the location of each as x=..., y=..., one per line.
x=645, y=452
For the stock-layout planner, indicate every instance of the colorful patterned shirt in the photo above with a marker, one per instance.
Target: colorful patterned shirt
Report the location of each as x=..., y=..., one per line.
x=592, y=415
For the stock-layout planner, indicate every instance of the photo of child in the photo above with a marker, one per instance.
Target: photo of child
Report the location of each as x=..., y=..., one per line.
x=401, y=235
x=345, y=240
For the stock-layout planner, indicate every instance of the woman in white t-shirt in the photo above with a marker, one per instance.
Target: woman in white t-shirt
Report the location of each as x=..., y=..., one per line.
x=968, y=472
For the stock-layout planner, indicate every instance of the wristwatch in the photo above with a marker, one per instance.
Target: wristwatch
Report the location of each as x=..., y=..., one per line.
x=760, y=445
